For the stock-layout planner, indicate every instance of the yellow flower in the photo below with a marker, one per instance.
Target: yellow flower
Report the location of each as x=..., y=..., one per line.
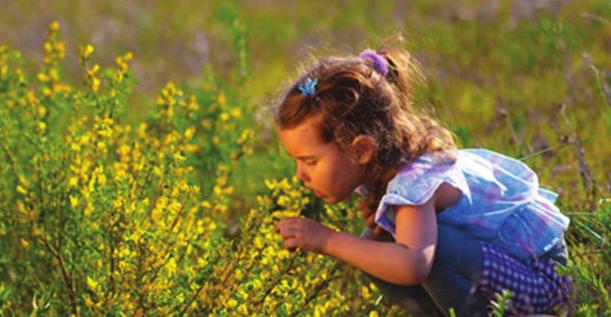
x=201, y=262
x=88, y=210
x=42, y=111
x=256, y=284
x=43, y=77
x=128, y=56
x=258, y=242
x=73, y=201
x=88, y=301
x=41, y=126
x=242, y=309
x=236, y=112
x=212, y=226
x=95, y=84
x=102, y=179
x=189, y=133
x=87, y=51
x=21, y=190
x=232, y=303
x=91, y=283
x=221, y=99
x=60, y=48
x=73, y=182
x=24, y=181
x=54, y=26
x=365, y=292
x=373, y=313
x=178, y=157
x=53, y=74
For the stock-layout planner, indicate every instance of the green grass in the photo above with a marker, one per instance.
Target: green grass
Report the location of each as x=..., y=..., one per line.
x=529, y=82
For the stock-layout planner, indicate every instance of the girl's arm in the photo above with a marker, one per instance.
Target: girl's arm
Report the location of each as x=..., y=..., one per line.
x=406, y=261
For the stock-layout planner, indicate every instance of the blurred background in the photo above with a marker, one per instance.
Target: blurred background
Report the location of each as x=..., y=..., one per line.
x=530, y=79
x=527, y=78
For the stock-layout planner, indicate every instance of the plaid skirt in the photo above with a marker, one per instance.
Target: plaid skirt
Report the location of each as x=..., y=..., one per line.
x=535, y=287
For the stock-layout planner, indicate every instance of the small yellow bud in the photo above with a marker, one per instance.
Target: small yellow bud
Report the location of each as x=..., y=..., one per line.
x=189, y=133
x=21, y=190
x=221, y=99
x=95, y=84
x=73, y=201
x=24, y=181
x=91, y=283
x=42, y=126
x=42, y=111
x=94, y=70
x=236, y=112
x=53, y=74
x=43, y=77
x=48, y=47
x=128, y=56
x=54, y=26
x=102, y=179
x=87, y=51
x=232, y=303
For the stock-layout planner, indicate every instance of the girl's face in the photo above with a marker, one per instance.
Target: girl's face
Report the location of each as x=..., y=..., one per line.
x=323, y=167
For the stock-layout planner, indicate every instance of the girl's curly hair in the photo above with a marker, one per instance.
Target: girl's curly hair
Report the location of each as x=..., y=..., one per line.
x=352, y=98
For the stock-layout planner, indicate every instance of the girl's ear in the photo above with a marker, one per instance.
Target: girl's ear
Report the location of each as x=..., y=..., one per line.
x=363, y=148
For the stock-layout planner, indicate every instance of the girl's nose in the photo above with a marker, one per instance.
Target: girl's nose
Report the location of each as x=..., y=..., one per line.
x=300, y=173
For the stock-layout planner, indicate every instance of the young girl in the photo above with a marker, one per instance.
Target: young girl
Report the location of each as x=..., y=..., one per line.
x=463, y=224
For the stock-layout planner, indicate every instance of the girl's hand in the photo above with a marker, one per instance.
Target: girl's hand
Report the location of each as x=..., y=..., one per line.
x=303, y=233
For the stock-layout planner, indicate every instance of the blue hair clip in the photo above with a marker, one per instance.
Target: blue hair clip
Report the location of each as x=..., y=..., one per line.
x=308, y=87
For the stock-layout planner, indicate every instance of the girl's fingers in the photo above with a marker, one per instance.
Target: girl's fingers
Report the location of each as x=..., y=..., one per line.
x=290, y=232
x=290, y=244
x=370, y=221
x=284, y=232
x=285, y=224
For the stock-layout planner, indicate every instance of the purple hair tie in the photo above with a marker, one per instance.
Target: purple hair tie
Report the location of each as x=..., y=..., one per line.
x=379, y=61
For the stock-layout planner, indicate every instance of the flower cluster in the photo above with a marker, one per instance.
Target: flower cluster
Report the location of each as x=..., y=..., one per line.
x=99, y=217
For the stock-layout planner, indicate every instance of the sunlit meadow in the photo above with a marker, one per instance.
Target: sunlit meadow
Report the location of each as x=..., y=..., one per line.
x=171, y=212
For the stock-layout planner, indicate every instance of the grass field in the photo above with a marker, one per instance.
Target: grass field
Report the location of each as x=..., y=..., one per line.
x=531, y=79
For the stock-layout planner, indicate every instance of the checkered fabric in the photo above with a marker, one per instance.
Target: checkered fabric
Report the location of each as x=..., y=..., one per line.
x=535, y=287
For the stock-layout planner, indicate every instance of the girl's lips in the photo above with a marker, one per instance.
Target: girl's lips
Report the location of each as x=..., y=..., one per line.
x=318, y=194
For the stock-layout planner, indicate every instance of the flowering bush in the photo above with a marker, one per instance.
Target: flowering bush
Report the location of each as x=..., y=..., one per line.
x=102, y=217
x=98, y=216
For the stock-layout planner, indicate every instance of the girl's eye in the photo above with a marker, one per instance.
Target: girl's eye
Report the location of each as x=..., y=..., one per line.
x=310, y=163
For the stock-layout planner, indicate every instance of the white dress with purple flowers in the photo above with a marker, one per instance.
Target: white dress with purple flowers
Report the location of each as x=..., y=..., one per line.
x=501, y=200
x=503, y=206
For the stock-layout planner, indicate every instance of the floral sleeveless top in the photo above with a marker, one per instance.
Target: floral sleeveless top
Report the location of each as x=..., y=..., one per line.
x=501, y=200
